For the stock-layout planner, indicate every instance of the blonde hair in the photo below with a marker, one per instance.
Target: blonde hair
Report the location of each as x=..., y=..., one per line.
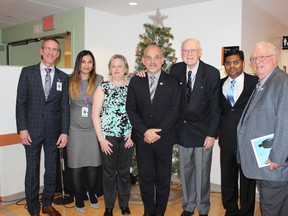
x=121, y=57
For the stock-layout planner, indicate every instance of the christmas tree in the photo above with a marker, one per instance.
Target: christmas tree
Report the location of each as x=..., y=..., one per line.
x=160, y=35
x=157, y=34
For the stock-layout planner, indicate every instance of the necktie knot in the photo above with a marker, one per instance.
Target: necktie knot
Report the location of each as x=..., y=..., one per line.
x=48, y=70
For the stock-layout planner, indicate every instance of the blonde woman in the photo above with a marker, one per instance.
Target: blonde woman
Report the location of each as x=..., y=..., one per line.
x=113, y=131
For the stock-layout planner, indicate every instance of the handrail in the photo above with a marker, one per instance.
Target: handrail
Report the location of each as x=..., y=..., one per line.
x=9, y=139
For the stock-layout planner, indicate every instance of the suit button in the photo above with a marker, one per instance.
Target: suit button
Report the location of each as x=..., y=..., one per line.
x=184, y=121
x=150, y=115
x=232, y=110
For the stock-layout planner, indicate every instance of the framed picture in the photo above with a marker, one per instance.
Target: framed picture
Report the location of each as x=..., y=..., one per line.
x=225, y=50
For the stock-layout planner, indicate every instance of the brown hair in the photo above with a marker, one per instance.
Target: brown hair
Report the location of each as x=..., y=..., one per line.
x=74, y=81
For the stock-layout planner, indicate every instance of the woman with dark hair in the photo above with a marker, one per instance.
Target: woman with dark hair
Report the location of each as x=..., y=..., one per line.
x=114, y=134
x=83, y=149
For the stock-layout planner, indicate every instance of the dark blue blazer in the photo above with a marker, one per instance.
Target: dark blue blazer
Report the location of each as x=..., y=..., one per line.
x=200, y=118
x=33, y=113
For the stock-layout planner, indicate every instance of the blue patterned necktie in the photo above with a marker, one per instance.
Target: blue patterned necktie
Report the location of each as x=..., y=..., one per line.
x=47, y=86
x=230, y=93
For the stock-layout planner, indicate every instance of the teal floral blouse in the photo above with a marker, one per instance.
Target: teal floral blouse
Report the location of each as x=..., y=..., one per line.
x=114, y=119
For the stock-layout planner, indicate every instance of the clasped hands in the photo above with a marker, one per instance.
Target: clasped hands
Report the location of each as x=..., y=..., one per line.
x=151, y=136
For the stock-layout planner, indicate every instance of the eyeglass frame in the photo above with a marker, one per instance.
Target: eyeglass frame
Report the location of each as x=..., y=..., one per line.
x=260, y=58
x=187, y=51
x=49, y=49
x=155, y=58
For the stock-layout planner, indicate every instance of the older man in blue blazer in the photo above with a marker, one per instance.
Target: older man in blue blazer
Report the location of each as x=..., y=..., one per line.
x=267, y=113
x=198, y=125
x=42, y=115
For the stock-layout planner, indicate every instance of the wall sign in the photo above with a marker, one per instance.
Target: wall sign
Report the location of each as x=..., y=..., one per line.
x=285, y=42
x=48, y=23
x=227, y=49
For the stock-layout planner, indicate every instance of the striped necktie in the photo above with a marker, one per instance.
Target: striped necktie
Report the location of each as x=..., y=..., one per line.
x=152, y=86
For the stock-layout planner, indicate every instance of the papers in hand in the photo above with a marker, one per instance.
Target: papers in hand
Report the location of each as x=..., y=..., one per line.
x=262, y=147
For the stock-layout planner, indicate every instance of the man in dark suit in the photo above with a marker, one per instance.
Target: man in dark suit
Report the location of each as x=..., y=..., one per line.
x=241, y=85
x=153, y=111
x=198, y=125
x=42, y=115
x=266, y=113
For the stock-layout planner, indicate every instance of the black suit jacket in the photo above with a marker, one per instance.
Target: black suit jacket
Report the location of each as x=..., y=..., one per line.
x=33, y=113
x=199, y=118
x=230, y=116
x=162, y=113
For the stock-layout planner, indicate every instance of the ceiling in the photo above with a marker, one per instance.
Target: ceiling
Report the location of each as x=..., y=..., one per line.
x=14, y=12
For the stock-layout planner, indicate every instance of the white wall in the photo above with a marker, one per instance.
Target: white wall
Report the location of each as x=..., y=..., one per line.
x=211, y=22
x=260, y=26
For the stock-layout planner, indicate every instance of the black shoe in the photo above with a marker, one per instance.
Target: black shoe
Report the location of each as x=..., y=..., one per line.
x=108, y=212
x=187, y=213
x=125, y=211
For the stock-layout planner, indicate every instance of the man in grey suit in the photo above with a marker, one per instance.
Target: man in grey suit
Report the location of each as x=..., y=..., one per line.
x=198, y=125
x=266, y=113
x=42, y=115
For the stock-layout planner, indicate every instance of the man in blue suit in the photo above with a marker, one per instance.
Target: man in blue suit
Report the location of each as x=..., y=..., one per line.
x=266, y=113
x=42, y=115
x=198, y=125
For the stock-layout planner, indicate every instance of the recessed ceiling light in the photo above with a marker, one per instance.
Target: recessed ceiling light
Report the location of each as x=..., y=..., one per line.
x=133, y=3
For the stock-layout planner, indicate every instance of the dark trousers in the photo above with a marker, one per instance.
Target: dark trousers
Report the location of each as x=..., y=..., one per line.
x=116, y=173
x=33, y=154
x=154, y=167
x=273, y=197
x=230, y=172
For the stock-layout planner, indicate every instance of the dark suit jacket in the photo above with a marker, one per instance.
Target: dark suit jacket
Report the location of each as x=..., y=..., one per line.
x=267, y=114
x=162, y=113
x=199, y=118
x=230, y=116
x=33, y=113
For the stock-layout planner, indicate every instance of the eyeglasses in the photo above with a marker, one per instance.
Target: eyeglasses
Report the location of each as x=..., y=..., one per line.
x=259, y=58
x=187, y=51
x=155, y=58
x=235, y=62
x=49, y=49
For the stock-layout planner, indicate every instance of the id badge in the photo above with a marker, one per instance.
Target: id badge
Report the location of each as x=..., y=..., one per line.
x=59, y=86
x=84, y=111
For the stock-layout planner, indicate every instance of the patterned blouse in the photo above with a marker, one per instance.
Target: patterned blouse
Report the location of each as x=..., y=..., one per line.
x=114, y=119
